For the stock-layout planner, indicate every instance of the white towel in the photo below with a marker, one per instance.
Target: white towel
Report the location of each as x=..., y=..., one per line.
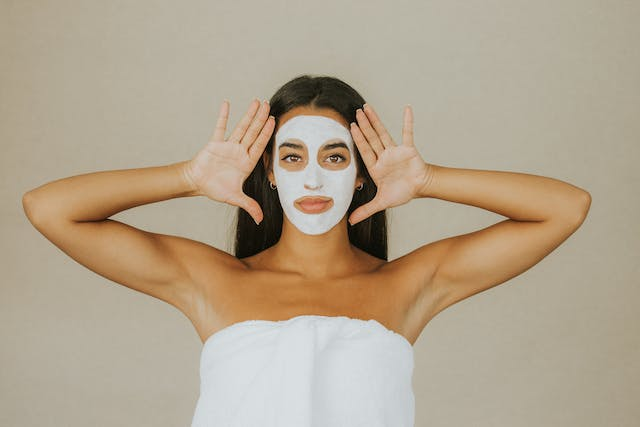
x=307, y=371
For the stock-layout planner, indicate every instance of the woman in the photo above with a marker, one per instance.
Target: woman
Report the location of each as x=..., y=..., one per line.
x=308, y=322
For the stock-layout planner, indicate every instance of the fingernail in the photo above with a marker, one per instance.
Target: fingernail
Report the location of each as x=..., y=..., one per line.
x=365, y=105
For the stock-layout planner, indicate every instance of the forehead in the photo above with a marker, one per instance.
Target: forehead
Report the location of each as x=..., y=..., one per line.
x=312, y=130
x=311, y=111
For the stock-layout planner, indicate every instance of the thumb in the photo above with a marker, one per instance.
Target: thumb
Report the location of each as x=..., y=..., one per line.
x=365, y=211
x=248, y=204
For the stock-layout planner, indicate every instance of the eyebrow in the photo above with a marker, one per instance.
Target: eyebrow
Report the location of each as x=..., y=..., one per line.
x=335, y=145
x=292, y=145
x=339, y=144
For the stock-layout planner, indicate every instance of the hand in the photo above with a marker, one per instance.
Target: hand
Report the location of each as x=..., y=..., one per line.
x=398, y=171
x=220, y=168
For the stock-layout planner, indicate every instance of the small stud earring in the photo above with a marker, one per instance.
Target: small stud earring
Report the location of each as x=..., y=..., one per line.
x=272, y=185
x=360, y=187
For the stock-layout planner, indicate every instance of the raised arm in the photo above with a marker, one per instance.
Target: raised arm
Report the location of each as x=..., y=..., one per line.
x=73, y=213
x=542, y=212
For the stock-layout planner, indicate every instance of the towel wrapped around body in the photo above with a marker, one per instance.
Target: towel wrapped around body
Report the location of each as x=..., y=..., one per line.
x=307, y=371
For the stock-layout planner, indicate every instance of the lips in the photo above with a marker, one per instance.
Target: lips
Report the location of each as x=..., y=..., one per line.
x=313, y=204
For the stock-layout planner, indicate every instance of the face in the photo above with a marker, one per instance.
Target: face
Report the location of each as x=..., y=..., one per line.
x=314, y=169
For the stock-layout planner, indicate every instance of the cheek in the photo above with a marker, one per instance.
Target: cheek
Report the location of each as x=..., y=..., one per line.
x=288, y=181
x=340, y=181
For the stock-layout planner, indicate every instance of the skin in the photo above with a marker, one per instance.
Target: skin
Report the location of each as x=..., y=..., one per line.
x=322, y=275
x=314, y=257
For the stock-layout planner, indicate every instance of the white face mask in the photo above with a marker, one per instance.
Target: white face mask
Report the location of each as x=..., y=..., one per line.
x=319, y=177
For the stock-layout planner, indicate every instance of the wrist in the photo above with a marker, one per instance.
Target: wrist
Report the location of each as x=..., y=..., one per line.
x=189, y=186
x=426, y=188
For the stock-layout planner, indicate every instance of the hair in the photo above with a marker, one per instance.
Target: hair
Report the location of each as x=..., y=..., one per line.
x=369, y=235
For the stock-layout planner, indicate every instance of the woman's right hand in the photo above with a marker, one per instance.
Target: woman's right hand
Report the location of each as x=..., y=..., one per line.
x=220, y=168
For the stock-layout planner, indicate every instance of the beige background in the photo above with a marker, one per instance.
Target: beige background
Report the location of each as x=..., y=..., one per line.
x=543, y=87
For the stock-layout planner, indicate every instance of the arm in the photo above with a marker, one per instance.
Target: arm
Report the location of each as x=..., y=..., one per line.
x=73, y=214
x=542, y=213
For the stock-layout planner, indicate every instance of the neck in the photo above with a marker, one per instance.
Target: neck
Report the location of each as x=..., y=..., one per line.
x=315, y=256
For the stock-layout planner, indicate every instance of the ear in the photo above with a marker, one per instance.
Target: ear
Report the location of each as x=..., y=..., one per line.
x=266, y=161
x=360, y=179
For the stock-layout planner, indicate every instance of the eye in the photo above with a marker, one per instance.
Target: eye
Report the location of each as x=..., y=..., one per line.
x=290, y=155
x=341, y=157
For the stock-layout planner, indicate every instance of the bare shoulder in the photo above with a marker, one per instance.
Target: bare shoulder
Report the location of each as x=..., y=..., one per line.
x=196, y=254
x=412, y=275
x=208, y=268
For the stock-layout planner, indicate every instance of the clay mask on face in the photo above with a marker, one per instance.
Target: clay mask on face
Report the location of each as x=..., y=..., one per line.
x=318, y=178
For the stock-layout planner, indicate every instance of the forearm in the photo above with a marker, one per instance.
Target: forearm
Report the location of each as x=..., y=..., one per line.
x=98, y=195
x=519, y=196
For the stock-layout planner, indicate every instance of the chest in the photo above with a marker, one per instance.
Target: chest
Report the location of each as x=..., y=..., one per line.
x=250, y=295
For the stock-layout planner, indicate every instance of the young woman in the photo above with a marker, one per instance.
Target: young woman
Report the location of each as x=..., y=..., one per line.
x=308, y=322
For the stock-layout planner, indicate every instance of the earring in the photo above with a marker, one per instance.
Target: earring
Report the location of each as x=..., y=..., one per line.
x=360, y=187
x=272, y=185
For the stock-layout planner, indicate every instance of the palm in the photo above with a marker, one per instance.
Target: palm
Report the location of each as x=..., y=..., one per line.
x=398, y=171
x=220, y=168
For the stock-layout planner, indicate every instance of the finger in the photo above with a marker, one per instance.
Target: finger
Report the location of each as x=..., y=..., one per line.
x=221, y=124
x=366, y=152
x=386, y=139
x=365, y=211
x=257, y=148
x=249, y=205
x=241, y=128
x=369, y=132
x=256, y=125
x=407, y=126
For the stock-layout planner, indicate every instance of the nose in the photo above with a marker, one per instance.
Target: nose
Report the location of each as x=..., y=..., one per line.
x=312, y=178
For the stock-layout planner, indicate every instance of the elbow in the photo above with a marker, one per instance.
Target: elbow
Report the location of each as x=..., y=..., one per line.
x=581, y=207
x=27, y=204
x=585, y=203
x=31, y=209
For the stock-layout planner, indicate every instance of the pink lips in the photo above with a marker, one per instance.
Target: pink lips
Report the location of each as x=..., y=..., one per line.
x=313, y=204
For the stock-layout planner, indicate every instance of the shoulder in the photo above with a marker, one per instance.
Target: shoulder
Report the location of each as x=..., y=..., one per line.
x=412, y=279
x=417, y=267
x=208, y=268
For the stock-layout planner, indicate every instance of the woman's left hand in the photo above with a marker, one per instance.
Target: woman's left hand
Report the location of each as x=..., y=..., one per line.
x=398, y=171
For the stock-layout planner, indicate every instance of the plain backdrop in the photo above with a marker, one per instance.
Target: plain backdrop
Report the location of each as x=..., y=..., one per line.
x=543, y=87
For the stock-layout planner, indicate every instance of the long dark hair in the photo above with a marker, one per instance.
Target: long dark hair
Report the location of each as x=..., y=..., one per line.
x=369, y=235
